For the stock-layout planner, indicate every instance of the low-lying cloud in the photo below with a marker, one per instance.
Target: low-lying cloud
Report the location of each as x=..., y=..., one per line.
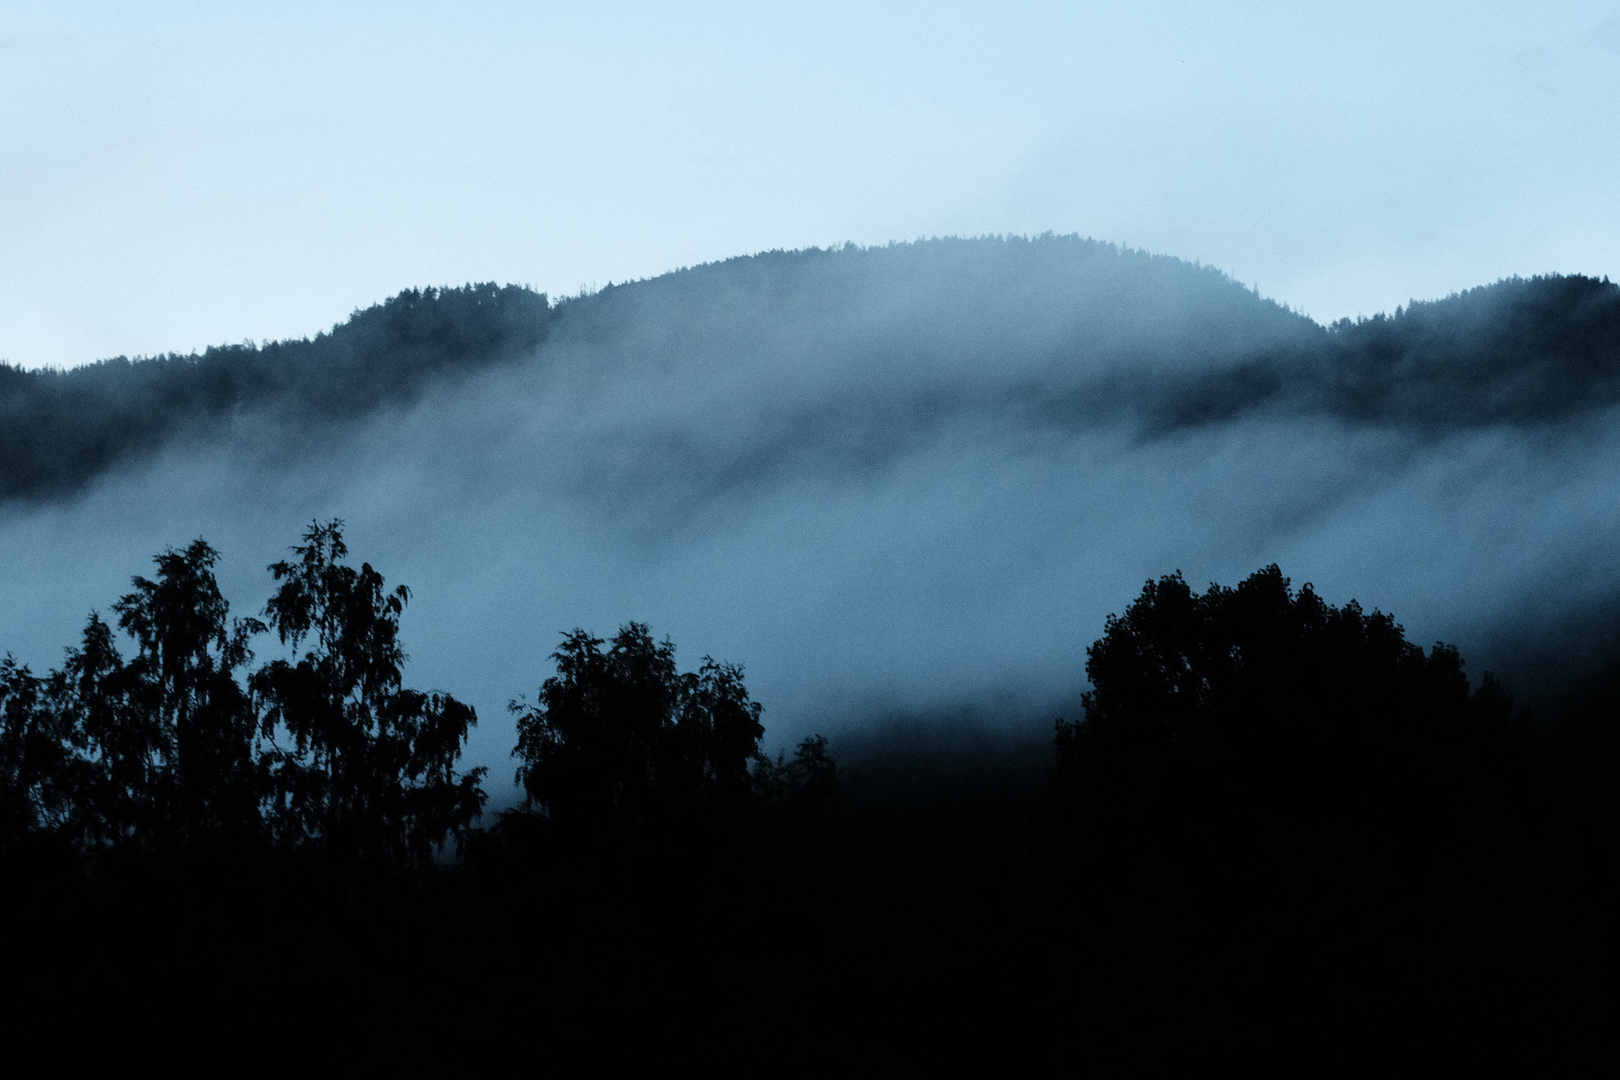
x=888, y=487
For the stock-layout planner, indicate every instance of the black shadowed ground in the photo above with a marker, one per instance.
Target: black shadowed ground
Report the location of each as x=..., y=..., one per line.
x=1279, y=832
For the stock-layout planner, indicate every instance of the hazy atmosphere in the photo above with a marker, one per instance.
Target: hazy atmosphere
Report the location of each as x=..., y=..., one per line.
x=898, y=482
x=1038, y=538
x=873, y=470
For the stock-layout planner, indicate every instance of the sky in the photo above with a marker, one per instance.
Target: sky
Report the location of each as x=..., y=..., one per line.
x=177, y=175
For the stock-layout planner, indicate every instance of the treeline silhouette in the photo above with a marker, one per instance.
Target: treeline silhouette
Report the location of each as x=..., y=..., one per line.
x=1279, y=829
x=1079, y=334
x=185, y=750
x=171, y=752
x=1525, y=351
x=60, y=429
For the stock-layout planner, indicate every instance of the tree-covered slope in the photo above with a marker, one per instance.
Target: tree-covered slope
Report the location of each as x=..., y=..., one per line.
x=860, y=353
x=1524, y=351
x=59, y=429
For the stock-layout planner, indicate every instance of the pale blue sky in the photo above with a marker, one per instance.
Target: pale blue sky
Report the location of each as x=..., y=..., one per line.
x=173, y=175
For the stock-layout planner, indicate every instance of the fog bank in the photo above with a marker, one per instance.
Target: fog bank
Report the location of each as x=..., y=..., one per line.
x=906, y=482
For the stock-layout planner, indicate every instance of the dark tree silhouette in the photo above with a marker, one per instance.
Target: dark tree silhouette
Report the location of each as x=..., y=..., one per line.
x=181, y=687
x=40, y=770
x=1278, y=819
x=619, y=738
x=1261, y=707
x=166, y=741
x=359, y=766
x=719, y=731
x=807, y=785
x=116, y=803
x=1265, y=780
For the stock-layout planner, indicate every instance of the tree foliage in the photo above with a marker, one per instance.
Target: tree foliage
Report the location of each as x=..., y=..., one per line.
x=184, y=714
x=1255, y=730
x=39, y=763
x=360, y=765
x=619, y=738
x=1277, y=815
x=181, y=749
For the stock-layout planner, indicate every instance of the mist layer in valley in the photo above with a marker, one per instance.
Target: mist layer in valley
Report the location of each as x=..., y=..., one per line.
x=902, y=484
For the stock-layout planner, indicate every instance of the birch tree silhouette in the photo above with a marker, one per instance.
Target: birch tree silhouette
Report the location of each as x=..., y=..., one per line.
x=359, y=766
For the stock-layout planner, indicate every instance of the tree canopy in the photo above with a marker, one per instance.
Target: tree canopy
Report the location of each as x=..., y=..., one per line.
x=1277, y=818
x=620, y=740
x=358, y=764
x=1254, y=762
x=180, y=748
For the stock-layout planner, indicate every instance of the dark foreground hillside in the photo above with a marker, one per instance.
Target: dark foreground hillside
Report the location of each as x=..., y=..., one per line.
x=1279, y=833
x=931, y=931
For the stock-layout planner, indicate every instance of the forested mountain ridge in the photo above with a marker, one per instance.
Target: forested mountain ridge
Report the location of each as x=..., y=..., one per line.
x=1523, y=351
x=862, y=351
x=59, y=429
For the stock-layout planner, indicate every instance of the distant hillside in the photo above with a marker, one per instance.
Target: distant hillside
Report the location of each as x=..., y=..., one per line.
x=1521, y=352
x=860, y=350
x=59, y=429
